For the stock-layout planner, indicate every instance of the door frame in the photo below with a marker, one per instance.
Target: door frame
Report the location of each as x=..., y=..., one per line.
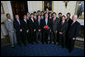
x=10, y=8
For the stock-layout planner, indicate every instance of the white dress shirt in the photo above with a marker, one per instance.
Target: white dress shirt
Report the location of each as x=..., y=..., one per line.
x=46, y=21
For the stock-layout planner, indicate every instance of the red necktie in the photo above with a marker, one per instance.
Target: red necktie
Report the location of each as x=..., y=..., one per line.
x=53, y=21
x=62, y=23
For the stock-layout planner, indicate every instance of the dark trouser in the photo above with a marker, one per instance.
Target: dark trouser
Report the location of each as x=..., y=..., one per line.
x=70, y=44
x=39, y=35
x=45, y=36
x=62, y=40
x=66, y=42
x=28, y=37
x=32, y=36
x=24, y=37
x=53, y=37
x=18, y=38
x=42, y=39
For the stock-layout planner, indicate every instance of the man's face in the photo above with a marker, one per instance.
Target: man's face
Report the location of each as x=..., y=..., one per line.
x=34, y=14
x=54, y=15
x=60, y=15
x=50, y=15
x=74, y=18
x=25, y=17
x=8, y=16
x=68, y=16
x=31, y=16
x=28, y=14
x=17, y=16
x=42, y=13
x=47, y=10
x=46, y=15
x=63, y=18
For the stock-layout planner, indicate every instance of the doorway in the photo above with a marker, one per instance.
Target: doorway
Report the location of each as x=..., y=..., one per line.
x=19, y=7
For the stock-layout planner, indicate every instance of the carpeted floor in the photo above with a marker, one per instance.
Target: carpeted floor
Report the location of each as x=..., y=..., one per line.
x=39, y=50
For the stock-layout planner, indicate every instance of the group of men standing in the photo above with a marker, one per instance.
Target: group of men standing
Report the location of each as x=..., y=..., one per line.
x=44, y=27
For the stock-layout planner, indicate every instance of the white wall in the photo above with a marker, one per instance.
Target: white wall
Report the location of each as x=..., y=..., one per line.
x=7, y=9
x=34, y=6
x=59, y=6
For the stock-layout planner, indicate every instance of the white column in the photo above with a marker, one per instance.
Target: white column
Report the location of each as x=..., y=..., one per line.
x=10, y=9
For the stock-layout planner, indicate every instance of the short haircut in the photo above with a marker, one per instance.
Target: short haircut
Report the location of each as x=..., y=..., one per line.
x=38, y=11
x=68, y=14
x=47, y=8
x=34, y=12
x=31, y=14
x=7, y=14
x=54, y=13
x=42, y=11
x=45, y=14
x=50, y=13
x=64, y=16
x=60, y=13
x=28, y=12
x=74, y=16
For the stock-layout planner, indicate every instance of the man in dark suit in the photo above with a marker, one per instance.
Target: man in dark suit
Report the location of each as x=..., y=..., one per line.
x=39, y=34
x=28, y=15
x=60, y=16
x=25, y=29
x=32, y=27
x=73, y=33
x=42, y=15
x=17, y=26
x=62, y=28
x=47, y=11
x=50, y=21
x=54, y=27
x=38, y=12
x=45, y=28
x=69, y=21
x=35, y=22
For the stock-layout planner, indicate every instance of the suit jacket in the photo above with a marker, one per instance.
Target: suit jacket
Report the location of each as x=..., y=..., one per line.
x=24, y=26
x=32, y=25
x=44, y=23
x=9, y=25
x=54, y=26
x=74, y=30
x=39, y=25
x=69, y=22
x=17, y=26
x=63, y=28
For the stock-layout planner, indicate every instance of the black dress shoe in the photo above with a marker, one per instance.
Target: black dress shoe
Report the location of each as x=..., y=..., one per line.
x=42, y=42
x=31, y=42
x=54, y=42
x=70, y=51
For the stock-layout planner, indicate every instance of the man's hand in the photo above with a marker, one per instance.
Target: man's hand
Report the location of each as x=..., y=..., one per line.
x=20, y=30
x=34, y=30
x=74, y=38
x=14, y=31
x=50, y=30
x=39, y=29
x=56, y=31
x=60, y=33
x=27, y=30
